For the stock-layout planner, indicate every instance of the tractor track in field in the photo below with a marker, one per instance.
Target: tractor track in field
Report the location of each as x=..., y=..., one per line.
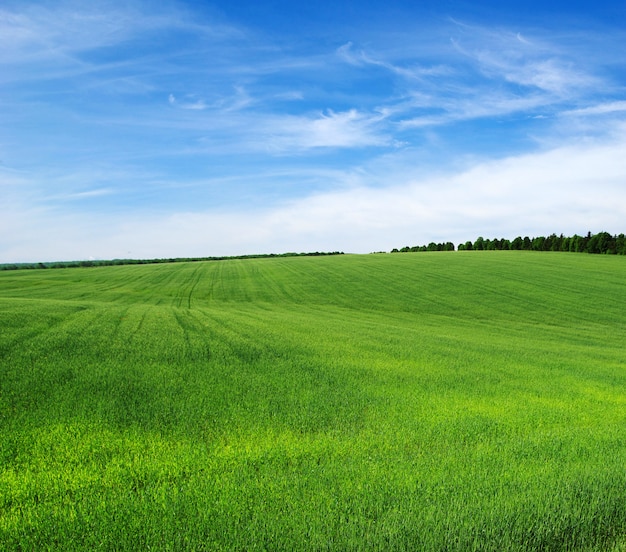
x=185, y=293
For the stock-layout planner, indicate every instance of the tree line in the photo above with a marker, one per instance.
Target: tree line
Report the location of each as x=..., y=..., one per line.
x=600, y=243
x=116, y=262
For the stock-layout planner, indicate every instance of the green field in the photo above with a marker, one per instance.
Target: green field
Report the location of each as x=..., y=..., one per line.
x=431, y=401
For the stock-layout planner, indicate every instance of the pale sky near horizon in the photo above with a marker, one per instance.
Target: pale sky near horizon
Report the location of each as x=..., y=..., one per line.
x=139, y=129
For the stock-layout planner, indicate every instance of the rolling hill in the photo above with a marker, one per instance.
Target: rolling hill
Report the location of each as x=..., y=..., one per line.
x=435, y=401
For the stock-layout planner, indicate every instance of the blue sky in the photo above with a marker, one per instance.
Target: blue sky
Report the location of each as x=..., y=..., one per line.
x=142, y=129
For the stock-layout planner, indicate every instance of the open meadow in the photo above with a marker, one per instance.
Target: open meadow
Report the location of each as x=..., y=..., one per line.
x=428, y=401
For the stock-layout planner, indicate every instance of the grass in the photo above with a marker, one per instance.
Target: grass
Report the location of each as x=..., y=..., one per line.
x=445, y=401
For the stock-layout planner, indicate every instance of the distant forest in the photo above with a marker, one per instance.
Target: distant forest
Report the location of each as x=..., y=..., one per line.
x=116, y=262
x=601, y=243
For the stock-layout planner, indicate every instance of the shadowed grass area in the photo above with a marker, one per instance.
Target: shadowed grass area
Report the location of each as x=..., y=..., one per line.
x=445, y=401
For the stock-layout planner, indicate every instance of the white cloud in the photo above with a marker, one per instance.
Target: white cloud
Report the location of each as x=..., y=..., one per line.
x=415, y=71
x=38, y=33
x=600, y=109
x=190, y=103
x=544, y=65
x=571, y=189
x=39, y=42
x=470, y=106
x=346, y=54
x=487, y=73
x=348, y=129
x=291, y=95
x=551, y=75
x=238, y=100
x=98, y=192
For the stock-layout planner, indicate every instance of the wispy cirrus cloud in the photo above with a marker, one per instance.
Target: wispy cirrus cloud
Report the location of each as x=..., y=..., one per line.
x=48, y=30
x=90, y=45
x=473, y=106
x=348, y=129
x=189, y=103
x=529, y=67
x=239, y=99
x=415, y=71
x=487, y=72
x=607, y=108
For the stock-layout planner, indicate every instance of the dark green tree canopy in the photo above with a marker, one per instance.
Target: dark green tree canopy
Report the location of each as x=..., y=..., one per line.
x=600, y=243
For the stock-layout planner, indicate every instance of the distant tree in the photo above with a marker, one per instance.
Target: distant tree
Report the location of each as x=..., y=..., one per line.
x=537, y=243
x=555, y=242
x=600, y=243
